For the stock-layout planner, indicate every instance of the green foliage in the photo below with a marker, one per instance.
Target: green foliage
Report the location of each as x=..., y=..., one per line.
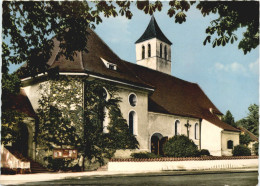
x=180, y=146
x=251, y=122
x=96, y=144
x=229, y=119
x=232, y=15
x=204, y=152
x=256, y=146
x=57, y=164
x=241, y=150
x=144, y=155
x=32, y=25
x=65, y=122
x=119, y=133
x=244, y=139
x=10, y=118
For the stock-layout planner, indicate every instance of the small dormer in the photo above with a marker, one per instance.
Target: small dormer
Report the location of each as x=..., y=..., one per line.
x=109, y=65
x=153, y=49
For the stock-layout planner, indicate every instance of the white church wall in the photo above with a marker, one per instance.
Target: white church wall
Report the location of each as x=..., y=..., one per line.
x=141, y=110
x=34, y=92
x=211, y=138
x=226, y=136
x=165, y=125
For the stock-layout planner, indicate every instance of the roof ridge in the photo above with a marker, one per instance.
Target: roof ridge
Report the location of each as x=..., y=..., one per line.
x=104, y=43
x=159, y=72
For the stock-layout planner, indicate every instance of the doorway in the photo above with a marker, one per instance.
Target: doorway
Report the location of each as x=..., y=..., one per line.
x=157, y=143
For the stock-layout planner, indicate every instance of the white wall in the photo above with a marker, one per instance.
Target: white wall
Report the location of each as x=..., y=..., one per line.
x=141, y=110
x=34, y=93
x=211, y=138
x=182, y=165
x=226, y=136
x=165, y=125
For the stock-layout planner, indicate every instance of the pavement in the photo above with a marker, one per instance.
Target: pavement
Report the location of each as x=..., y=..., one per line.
x=39, y=177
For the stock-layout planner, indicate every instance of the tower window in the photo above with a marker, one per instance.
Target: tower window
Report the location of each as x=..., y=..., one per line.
x=143, y=52
x=149, y=50
x=161, y=50
x=165, y=52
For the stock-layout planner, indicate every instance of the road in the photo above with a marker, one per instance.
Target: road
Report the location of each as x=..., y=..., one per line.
x=219, y=179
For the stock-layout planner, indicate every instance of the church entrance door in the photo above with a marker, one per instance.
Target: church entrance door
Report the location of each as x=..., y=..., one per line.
x=157, y=142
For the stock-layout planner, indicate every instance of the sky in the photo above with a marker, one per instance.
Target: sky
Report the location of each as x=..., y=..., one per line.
x=228, y=77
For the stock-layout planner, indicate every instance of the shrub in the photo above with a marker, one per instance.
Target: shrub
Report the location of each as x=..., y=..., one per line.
x=244, y=139
x=204, y=152
x=140, y=155
x=255, y=147
x=241, y=150
x=180, y=146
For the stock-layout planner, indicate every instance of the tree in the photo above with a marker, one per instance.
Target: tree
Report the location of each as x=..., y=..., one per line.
x=244, y=139
x=28, y=27
x=229, y=119
x=251, y=122
x=10, y=118
x=65, y=122
x=97, y=145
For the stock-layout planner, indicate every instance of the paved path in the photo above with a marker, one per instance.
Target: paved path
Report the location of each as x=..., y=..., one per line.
x=43, y=177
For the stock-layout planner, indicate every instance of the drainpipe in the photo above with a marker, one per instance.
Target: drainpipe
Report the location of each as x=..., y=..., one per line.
x=200, y=120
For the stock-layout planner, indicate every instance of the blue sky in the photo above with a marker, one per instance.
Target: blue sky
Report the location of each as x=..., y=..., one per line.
x=227, y=76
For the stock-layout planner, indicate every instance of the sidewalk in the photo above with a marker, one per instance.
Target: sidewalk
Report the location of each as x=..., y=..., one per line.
x=25, y=178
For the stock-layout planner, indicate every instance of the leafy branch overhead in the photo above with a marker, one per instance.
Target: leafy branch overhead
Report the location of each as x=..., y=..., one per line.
x=28, y=27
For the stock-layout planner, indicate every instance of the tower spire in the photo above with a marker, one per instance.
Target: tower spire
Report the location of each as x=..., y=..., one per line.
x=153, y=31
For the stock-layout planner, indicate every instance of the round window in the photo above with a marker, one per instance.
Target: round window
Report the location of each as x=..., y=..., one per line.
x=132, y=100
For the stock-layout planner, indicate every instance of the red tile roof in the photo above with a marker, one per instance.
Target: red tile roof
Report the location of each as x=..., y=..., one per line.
x=252, y=136
x=21, y=103
x=171, y=96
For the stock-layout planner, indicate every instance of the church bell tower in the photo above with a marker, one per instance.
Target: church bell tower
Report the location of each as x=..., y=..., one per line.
x=153, y=49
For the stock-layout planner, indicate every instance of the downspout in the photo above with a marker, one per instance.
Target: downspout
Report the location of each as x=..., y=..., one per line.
x=200, y=120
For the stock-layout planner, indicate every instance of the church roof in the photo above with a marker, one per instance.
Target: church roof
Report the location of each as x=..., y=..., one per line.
x=251, y=135
x=153, y=31
x=168, y=94
x=20, y=103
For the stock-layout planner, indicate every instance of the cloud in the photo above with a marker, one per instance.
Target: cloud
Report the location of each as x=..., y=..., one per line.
x=254, y=67
x=220, y=66
x=238, y=68
x=233, y=67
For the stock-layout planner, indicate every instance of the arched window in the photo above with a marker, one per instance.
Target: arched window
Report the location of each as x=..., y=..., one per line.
x=177, y=124
x=143, y=52
x=149, y=50
x=230, y=144
x=161, y=50
x=196, y=130
x=165, y=52
x=133, y=122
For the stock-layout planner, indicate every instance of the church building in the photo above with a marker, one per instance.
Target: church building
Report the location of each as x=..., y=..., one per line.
x=156, y=104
